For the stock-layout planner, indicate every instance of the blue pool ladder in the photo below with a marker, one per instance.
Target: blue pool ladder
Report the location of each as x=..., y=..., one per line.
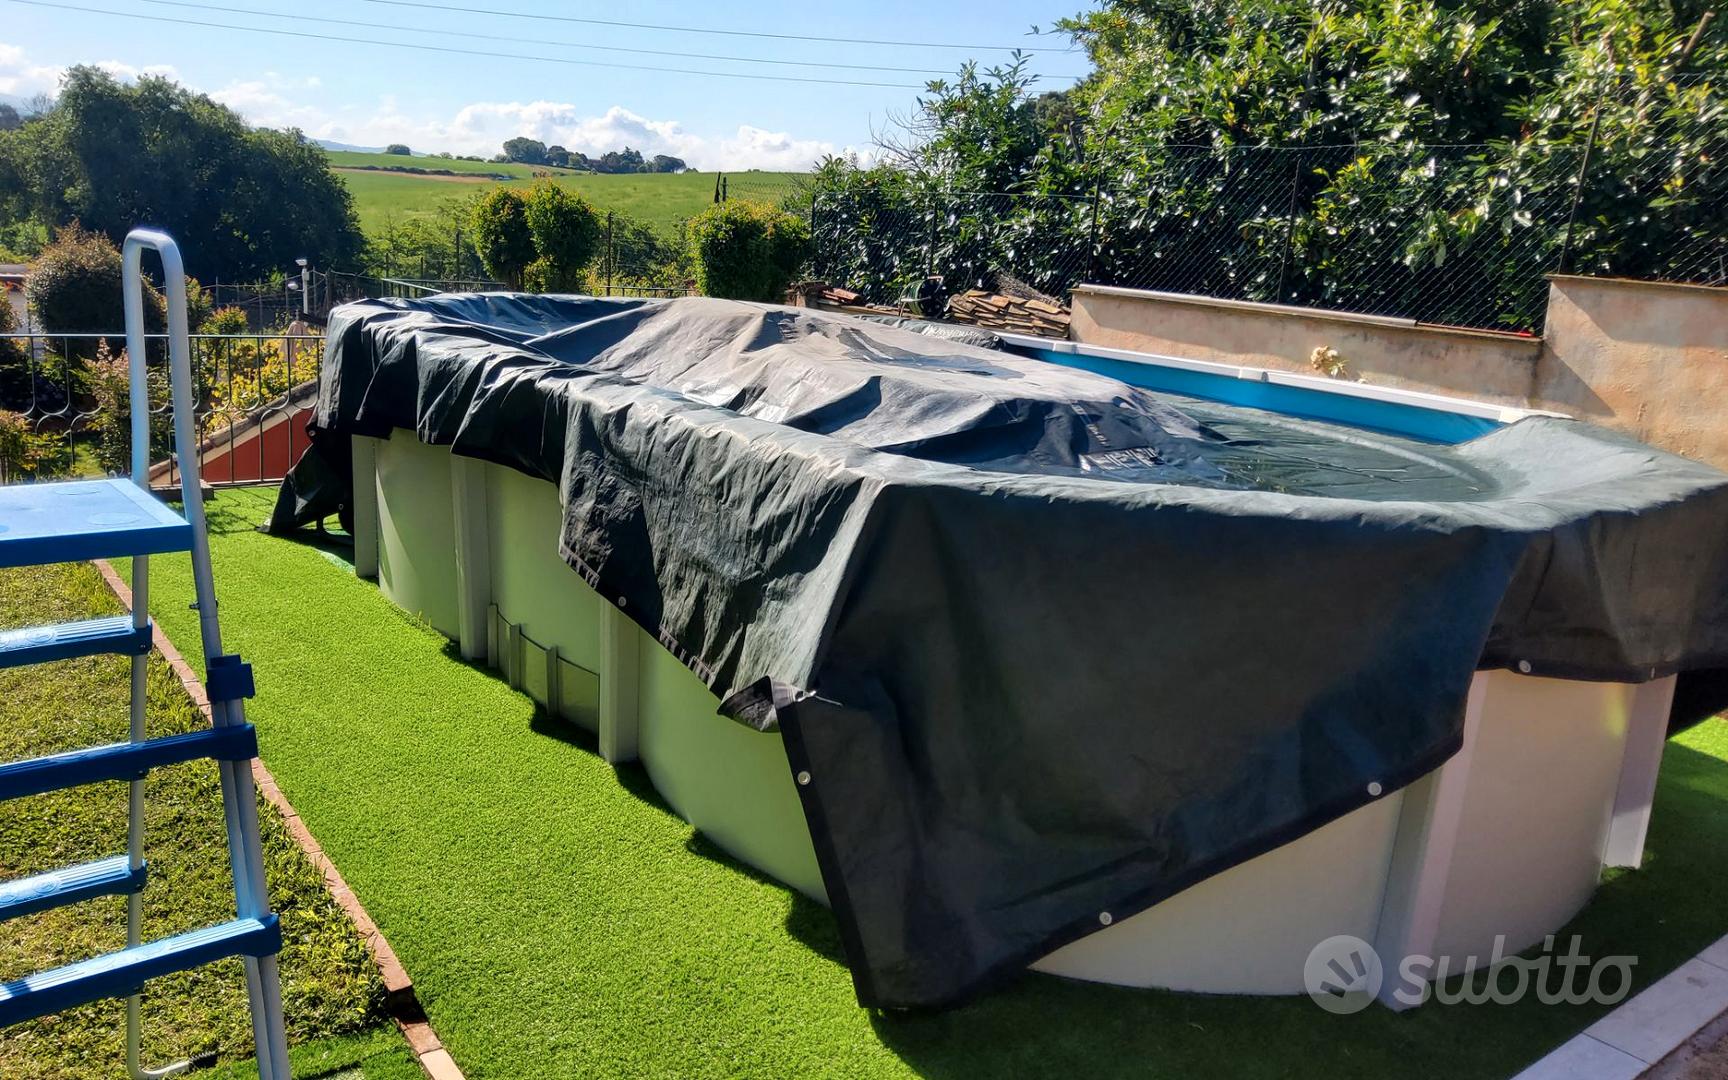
x=67, y=522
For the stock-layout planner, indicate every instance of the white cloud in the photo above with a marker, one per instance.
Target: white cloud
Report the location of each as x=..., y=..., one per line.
x=21, y=78
x=275, y=100
x=482, y=127
x=126, y=72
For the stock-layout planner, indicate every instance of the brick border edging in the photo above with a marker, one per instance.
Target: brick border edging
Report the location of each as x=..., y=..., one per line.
x=399, y=997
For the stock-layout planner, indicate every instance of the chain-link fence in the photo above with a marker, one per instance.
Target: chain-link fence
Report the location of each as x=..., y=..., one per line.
x=772, y=189
x=1459, y=234
x=637, y=260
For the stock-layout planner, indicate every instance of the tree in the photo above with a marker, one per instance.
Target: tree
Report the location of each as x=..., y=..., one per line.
x=242, y=202
x=566, y=233
x=746, y=251
x=9, y=118
x=1420, y=158
x=525, y=151
x=664, y=164
x=502, y=238
x=398, y=148
x=620, y=161
x=557, y=157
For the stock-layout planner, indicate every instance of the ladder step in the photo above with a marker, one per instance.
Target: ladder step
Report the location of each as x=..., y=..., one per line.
x=124, y=973
x=124, y=761
x=112, y=876
x=63, y=641
x=85, y=519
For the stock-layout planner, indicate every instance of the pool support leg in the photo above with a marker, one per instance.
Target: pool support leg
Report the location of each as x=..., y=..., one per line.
x=473, y=554
x=365, y=507
x=1646, y=735
x=618, y=674
x=1422, y=854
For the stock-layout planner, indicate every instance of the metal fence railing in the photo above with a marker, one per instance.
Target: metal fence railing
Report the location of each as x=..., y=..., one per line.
x=65, y=410
x=1634, y=186
x=330, y=289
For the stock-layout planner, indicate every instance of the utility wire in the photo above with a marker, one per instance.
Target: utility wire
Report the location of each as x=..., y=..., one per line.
x=471, y=36
x=449, y=50
x=464, y=10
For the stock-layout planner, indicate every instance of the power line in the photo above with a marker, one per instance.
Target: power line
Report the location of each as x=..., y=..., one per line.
x=702, y=29
x=561, y=44
x=449, y=50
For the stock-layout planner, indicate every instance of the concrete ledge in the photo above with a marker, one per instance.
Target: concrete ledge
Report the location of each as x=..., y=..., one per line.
x=1359, y=318
x=1630, y=1041
x=1499, y=368
x=1637, y=284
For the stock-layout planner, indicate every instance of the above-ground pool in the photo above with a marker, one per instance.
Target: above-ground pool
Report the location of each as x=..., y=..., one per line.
x=1126, y=668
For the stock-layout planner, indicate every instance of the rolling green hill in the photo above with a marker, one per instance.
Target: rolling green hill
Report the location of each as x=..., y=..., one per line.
x=661, y=200
x=350, y=159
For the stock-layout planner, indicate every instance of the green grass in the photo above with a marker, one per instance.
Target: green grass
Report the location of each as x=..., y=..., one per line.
x=329, y=983
x=354, y=159
x=381, y=1054
x=558, y=920
x=661, y=200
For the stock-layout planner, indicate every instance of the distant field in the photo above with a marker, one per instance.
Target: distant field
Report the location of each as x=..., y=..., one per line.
x=349, y=159
x=661, y=200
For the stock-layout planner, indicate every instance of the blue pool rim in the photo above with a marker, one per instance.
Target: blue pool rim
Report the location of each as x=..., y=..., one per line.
x=1428, y=417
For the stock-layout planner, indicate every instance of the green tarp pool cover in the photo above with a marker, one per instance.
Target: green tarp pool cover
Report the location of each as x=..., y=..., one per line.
x=1047, y=645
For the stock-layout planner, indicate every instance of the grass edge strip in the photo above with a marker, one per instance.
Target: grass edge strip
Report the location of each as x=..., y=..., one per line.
x=400, y=1000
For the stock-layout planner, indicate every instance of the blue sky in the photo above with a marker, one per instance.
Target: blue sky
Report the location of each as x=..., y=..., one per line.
x=367, y=94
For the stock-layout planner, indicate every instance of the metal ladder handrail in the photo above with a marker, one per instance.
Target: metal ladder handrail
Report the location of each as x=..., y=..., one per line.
x=240, y=811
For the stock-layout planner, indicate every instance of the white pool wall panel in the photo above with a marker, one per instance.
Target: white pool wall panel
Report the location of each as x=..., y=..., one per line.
x=1505, y=841
x=732, y=783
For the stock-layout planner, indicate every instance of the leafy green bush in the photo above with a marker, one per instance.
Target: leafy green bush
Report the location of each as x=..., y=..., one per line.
x=14, y=370
x=75, y=289
x=567, y=235
x=108, y=381
x=746, y=251
x=1423, y=159
x=228, y=320
x=26, y=454
x=501, y=234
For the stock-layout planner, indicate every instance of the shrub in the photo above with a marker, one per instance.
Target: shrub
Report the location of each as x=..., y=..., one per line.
x=251, y=373
x=501, y=234
x=229, y=321
x=108, y=380
x=567, y=235
x=75, y=288
x=26, y=454
x=14, y=371
x=746, y=251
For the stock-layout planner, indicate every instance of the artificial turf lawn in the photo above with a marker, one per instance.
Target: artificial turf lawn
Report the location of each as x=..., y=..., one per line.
x=329, y=983
x=558, y=920
x=381, y=1054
